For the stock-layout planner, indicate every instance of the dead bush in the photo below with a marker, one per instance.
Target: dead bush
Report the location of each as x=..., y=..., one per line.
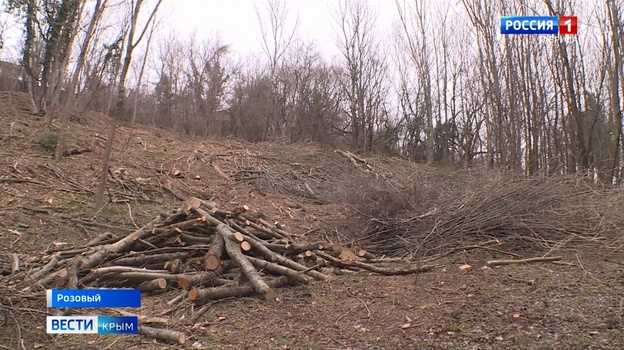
x=518, y=214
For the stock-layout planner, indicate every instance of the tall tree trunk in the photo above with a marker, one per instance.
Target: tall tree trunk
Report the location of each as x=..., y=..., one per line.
x=614, y=73
x=130, y=45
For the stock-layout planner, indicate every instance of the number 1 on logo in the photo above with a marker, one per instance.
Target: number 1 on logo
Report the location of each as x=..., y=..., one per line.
x=568, y=25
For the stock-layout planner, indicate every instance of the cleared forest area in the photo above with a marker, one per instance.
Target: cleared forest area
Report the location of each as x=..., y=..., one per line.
x=390, y=253
x=435, y=185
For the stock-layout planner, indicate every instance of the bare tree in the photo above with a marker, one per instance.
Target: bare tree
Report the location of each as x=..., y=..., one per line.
x=415, y=30
x=143, y=61
x=364, y=83
x=133, y=39
x=277, y=37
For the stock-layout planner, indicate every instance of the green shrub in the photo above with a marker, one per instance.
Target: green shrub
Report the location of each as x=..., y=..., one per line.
x=48, y=142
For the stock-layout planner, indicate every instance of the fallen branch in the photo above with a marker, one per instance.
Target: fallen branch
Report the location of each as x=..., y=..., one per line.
x=227, y=291
x=247, y=268
x=523, y=261
x=376, y=269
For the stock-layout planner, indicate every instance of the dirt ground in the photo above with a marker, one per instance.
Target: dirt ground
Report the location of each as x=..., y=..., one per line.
x=575, y=303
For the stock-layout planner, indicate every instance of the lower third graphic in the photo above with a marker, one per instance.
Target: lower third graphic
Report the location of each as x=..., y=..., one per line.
x=92, y=324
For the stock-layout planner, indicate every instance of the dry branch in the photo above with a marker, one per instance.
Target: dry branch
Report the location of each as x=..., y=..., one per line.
x=377, y=269
x=282, y=270
x=228, y=291
x=247, y=268
x=523, y=261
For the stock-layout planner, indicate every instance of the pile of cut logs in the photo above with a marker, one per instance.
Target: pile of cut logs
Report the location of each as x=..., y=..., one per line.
x=208, y=252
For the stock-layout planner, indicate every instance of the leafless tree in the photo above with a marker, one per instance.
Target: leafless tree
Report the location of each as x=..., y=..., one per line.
x=134, y=37
x=364, y=83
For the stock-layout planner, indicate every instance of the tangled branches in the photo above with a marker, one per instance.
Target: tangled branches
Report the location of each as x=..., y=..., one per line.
x=531, y=214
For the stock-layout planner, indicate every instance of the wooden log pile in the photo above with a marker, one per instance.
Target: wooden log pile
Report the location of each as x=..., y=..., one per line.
x=207, y=252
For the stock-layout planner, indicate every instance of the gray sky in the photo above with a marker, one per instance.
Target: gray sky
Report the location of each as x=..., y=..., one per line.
x=236, y=22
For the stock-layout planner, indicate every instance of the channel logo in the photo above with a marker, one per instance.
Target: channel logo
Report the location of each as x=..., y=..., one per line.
x=92, y=324
x=543, y=25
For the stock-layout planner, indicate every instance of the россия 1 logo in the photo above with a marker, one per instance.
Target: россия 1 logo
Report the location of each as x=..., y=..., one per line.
x=552, y=25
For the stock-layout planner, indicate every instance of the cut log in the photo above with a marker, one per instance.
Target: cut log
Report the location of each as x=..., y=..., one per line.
x=72, y=273
x=201, y=296
x=245, y=246
x=238, y=236
x=184, y=283
x=99, y=239
x=158, y=284
x=247, y=268
x=15, y=263
x=364, y=254
x=163, y=334
x=46, y=269
x=211, y=262
x=282, y=270
x=174, y=265
x=274, y=257
x=143, y=258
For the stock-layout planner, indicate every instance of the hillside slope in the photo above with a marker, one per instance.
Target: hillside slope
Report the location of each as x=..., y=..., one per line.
x=318, y=194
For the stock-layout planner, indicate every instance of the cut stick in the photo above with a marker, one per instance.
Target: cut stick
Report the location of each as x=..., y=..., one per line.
x=99, y=239
x=47, y=268
x=282, y=270
x=276, y=229
x=184, y=283
x=211, y=262
x=238, y=236
x=199, y=313
x=274, y=257
x=72, y=273
x=294, y=249
x=95, y=274
x=212, y=259
x=348, y=156
x=163, y=334
x=366, y=255
x=143, y=258
x=246, y=267
x=356, y=157
x=376, y=269
x=15, y=264
x=263, y=229
x=228, y=291
x=101, y=254
x=245, y=246
x=178, y=298
x=157, y=284
x=177, y=227
x=194, y=279
x=523, y=261
x=221, y=173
